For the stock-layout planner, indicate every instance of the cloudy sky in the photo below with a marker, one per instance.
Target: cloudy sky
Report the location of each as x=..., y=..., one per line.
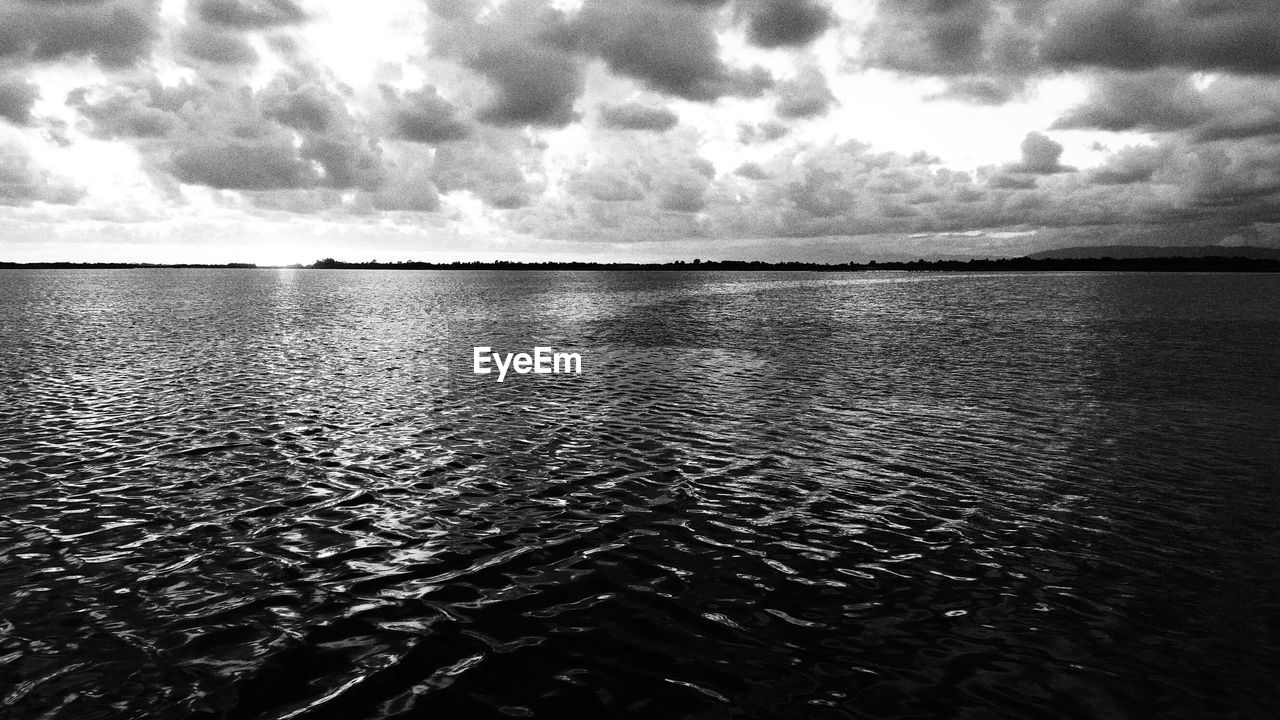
x=278, y=131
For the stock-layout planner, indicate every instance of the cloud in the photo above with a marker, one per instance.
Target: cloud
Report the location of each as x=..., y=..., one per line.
x=16, y=98
x=822, y=193
x=1240, y=36
x=670, y=48
x=250, y=14
x=682, y=187
x=423, y=116
x=610, y=182
x=1009, y=39
x=779, y=23
x=22, y=182
x=764, y=132
x=933, y=38
x=633, y=116
x=270, y=163
x=488, y=165
x=1151, y=101
x=409, y=187
x=1171, y=101
x=1014, y=181
x=533, y=56
x=292, y=134
x=808, y=95
x=649, y=186
x=535, y=85
x=982, y=90
x=499, y=80
x=123, y=113
x=307, y=107
x=1040, y=156
x=116, y=33
x=1132, y=164
x=345, y=161
x=1238, y=179
x=518, y=49
x=217, y=46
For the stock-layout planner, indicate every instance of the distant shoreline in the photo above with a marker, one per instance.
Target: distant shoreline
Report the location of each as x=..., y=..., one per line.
x=1021, y=264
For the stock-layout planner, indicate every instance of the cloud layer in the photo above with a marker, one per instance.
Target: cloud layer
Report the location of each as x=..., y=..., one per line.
x=647, y=121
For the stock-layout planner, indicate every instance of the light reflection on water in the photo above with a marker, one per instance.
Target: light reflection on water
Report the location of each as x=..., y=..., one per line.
x=283, y=494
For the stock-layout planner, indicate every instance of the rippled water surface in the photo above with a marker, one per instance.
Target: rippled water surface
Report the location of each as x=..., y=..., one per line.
x=284, y=494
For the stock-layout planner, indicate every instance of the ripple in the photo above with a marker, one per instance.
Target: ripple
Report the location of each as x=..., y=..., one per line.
x=240, y=495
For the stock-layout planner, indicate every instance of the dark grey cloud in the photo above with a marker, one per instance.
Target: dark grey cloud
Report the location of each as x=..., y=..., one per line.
x=346, y=161
x=633, y=116
x=519, y=49
x=217, y=46
x=1241, y=36
x=535, y=85
x=1133, y=164
x=1264, y=121
x=808, y=95
x=1040, y=156
x=233, y=163
x=1150, y=102
x=1227, y=108
x=671, y=48
x=423, y=116
x=125, y=114
x=16, y=98
x=250, y=14
x=752, y=171
x=996, y=44
x=1238, y=179
x=778, y=23
x=931, y=38
x=534, y=56
x=307, y=107
x=115, y=33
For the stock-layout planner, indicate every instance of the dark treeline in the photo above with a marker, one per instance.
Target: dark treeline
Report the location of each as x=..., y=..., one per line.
x=118, y=265
x=1153, y=264
x=1164, y=264
x=1160, y=264
x=331, y=264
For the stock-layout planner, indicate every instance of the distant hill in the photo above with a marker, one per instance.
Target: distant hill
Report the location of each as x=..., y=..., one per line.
x=1156, y=251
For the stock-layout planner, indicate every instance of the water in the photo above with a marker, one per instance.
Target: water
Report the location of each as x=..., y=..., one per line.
x=244, y=494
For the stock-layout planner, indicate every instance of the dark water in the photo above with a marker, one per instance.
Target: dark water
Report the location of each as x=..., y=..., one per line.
x=250, y=494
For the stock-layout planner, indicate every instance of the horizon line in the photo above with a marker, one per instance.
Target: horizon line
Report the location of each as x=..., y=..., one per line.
x=1103, y=263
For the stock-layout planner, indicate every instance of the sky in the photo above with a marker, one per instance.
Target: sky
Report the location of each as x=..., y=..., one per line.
x=282, y=131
